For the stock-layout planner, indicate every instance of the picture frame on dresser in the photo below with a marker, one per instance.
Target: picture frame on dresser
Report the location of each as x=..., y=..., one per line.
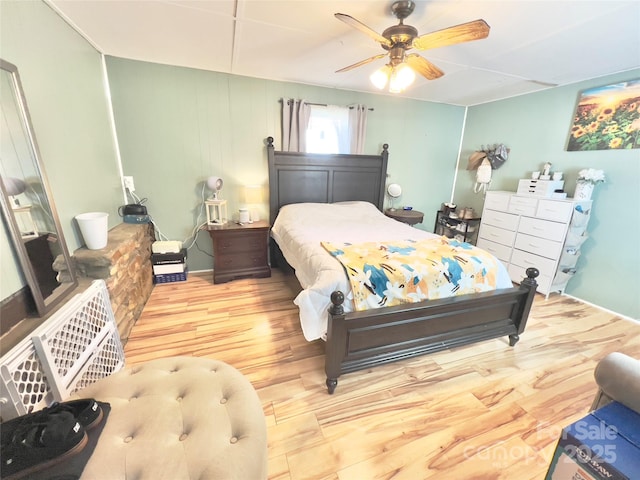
x=535, y=230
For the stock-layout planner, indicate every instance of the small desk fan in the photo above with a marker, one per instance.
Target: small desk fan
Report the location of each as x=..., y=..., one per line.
x=215, y=185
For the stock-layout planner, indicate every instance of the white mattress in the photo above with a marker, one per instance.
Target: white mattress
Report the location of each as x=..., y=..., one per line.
x=299, y=229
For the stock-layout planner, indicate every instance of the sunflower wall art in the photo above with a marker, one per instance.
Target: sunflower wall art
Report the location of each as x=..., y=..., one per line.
x=607, y=118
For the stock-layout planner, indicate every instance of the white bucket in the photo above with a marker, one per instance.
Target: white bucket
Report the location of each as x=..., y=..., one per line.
x=95, y=228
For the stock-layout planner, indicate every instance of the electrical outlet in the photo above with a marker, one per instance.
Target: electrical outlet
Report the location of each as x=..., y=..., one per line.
x=128, y=184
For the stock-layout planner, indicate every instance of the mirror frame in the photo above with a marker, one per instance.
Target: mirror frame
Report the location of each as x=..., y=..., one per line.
x=42, y=304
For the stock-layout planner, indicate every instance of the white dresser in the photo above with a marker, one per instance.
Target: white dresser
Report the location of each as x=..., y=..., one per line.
x=528, y=231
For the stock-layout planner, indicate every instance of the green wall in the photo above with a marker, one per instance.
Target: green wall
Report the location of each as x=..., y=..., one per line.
x=177, y=126
x=62, y=78
x=535, y=127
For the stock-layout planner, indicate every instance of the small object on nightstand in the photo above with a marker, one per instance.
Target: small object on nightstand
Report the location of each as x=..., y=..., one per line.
x=410, y=217
x=394, y=191
x=216, y=212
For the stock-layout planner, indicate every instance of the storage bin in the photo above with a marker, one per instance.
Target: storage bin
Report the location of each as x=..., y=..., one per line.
x=171, y=277
x=579, y=219
x=562, y=278
x=568, y=259
x=575, y=238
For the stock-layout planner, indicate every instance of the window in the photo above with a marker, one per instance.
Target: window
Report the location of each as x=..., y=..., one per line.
x=328, y=130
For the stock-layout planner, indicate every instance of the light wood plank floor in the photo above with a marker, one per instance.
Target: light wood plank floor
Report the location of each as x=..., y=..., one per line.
x=485, y=411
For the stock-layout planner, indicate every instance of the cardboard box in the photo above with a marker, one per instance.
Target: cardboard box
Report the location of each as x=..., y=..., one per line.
x=604, y=445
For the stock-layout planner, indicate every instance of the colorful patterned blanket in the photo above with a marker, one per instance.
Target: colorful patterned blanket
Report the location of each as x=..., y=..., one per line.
x=383, y=274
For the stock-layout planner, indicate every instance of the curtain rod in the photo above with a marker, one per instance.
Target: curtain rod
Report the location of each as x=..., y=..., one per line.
x=325, y=105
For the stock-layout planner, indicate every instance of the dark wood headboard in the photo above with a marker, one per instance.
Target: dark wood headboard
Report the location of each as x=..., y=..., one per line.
x=297, y=177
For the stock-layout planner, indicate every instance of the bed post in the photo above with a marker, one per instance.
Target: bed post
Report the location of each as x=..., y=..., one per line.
x=529, y=284
x=336, y=339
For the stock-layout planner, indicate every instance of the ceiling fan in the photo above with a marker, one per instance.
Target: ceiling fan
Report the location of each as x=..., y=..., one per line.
x=398, y=39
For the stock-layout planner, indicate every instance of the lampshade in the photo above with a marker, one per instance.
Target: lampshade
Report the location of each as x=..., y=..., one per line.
x=14, y=186
x=253, y=197
x=380, y=77
x=401, y=77
x=253, y=194
x=398, y=77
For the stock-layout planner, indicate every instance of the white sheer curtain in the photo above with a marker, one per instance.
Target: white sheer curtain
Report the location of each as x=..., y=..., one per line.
x=295, y=119
x=357, y=127
x=328, y=129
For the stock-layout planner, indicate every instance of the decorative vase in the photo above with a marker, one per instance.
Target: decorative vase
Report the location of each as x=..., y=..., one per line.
x=583, y=191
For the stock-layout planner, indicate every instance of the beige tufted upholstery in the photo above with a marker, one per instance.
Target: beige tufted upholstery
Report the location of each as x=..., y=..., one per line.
x=179, y=418
x=618, y=378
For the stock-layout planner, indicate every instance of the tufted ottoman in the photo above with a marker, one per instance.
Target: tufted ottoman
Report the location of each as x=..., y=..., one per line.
x=179, y=418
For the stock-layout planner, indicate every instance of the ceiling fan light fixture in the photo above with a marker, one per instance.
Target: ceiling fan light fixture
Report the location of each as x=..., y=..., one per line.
x=401, y=77
x=380, y=77
x=398, y=39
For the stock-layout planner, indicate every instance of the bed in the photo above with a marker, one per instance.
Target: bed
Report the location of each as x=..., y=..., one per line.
x=353, y=186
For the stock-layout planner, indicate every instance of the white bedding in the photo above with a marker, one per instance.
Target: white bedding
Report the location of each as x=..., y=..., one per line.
x=299, y=229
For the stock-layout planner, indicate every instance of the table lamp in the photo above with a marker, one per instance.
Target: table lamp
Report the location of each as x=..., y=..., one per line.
x=253, y=198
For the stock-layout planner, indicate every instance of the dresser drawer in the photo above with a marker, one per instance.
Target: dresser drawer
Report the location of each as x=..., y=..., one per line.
x=501, y=252
x=523, y=205
x=508, y=221
x=546, y=266
x=558, y=211
x=542, y=228
x=518, y=273
x=496, y=201
x=496, y=234
x=539, y=246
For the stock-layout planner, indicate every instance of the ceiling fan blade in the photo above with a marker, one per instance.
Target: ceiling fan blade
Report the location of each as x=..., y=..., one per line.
x=466, y=32
x=363, y=62
x=352, y=22
x=423, y=66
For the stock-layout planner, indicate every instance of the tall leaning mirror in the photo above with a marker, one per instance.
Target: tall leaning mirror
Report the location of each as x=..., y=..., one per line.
x=29, y=214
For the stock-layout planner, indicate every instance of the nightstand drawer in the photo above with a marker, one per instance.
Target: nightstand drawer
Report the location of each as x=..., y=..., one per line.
x=245, y=241
x=239, y=261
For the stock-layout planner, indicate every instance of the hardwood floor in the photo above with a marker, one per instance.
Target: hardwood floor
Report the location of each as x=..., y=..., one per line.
x=485, y=411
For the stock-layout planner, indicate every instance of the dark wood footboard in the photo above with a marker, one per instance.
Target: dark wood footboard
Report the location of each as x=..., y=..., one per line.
x=360, y=340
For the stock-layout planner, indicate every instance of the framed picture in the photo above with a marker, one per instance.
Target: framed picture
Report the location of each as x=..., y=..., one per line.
x=607, y=118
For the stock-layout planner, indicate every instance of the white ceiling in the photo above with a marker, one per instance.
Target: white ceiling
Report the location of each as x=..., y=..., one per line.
x=532, y=44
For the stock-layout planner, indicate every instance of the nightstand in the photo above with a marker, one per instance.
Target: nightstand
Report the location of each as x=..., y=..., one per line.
x=405, y=216
x=240, y=251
